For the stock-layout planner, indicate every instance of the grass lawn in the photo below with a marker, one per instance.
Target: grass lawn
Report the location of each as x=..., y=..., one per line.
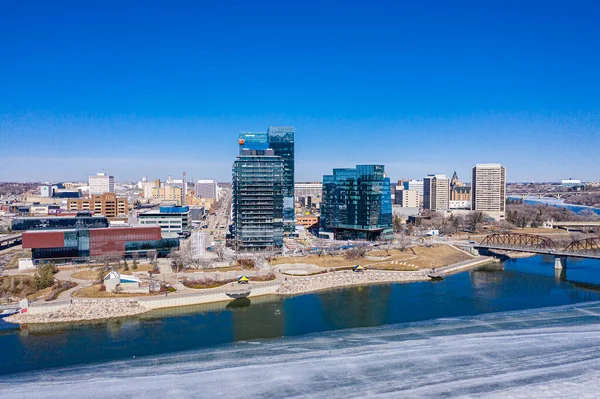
x=322, y=261
x=420, y=257
x=91, y=275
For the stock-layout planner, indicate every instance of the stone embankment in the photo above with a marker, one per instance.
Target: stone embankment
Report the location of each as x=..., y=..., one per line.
x=78, y=311
x=346, y=279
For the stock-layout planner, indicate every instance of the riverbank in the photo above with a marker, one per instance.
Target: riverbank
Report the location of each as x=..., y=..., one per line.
x=81, y=311
x=347, y=278
x=103, y=309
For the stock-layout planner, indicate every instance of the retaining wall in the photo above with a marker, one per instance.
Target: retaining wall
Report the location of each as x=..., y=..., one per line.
x=202, y=297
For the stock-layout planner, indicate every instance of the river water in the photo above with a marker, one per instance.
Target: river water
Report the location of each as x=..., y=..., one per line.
x=559, y=203
x=515, y=330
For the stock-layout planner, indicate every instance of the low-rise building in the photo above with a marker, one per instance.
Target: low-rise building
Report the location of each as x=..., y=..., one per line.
x=95, y=243
x=171, y=219
x=308, y=222
x=107, y=204
x=460, y=204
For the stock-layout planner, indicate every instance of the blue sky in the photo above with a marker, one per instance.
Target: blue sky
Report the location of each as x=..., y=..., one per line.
x=148, y=88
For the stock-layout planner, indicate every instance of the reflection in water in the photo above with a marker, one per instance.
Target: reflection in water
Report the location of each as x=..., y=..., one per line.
x=239, y=303
x=518, y=284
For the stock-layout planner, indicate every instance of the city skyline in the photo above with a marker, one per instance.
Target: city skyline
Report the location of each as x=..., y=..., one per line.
x=417, y=88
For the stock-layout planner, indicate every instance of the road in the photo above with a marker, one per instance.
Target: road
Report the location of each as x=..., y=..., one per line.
x=220, y=218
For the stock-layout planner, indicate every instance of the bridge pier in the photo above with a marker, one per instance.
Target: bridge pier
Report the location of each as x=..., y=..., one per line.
x=560, y=262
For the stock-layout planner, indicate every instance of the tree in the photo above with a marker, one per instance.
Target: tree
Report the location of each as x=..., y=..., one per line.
x=177, y=260
x=152, y=254
x=125, y=265
x=44, y=276
x=403, y=241
x=355, y=253
x=219, y=250
x=397, y=223
x=474, y=220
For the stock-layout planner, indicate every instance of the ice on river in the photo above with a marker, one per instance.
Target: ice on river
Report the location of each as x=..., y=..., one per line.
x=552, y=352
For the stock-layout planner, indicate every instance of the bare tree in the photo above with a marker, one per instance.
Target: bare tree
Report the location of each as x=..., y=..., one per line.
x=403, y=240
x=152, y=254
x=219, y=250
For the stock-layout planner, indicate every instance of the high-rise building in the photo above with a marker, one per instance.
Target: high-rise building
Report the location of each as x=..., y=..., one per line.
x=101, y=183
x=357, y=203
x=257, y=204
x=488, y=189
x=436, y=192
x=407, y=198
x=206, y=189
x=107, y=204
x=281, y=140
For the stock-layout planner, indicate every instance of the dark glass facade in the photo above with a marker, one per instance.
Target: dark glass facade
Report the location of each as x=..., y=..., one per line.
x=357, y=203
x=281, y=140
x=59, y=222
x=257, y=201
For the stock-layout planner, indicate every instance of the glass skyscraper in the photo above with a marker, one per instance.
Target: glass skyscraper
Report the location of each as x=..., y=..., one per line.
x=357, y=203
x=257, y=200
x=281, y=140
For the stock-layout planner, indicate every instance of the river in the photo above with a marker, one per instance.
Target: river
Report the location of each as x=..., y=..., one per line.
x=516, y=329
x=559, y=203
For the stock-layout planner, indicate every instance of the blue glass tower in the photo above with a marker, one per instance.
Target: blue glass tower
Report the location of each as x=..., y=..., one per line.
x=357, y=203
x=281, y=140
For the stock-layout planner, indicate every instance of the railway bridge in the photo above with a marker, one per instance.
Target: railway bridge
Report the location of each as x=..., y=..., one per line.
x=585, y=248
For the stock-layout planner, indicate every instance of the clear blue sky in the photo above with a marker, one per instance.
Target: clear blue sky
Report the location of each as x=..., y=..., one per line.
x=147, y=88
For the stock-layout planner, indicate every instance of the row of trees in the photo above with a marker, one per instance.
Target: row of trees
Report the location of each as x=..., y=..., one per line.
x=526, y=215
x=517, y=215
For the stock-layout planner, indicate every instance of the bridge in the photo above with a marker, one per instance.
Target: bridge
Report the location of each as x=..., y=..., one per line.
x=557, y=195
x=585, y=248
x=7, y=241
x=573, y=225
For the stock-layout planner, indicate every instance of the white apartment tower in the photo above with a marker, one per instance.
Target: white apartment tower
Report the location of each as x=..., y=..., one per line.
x=488, y=189
x=436, y=192
x=101, y=183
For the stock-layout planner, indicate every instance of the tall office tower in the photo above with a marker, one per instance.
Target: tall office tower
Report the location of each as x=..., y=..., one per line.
x=101, y=183
x=436, y=192
x=357, y=203
x=206, y=189
x=257, y=205
x=281, y=140
x=488, y=189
